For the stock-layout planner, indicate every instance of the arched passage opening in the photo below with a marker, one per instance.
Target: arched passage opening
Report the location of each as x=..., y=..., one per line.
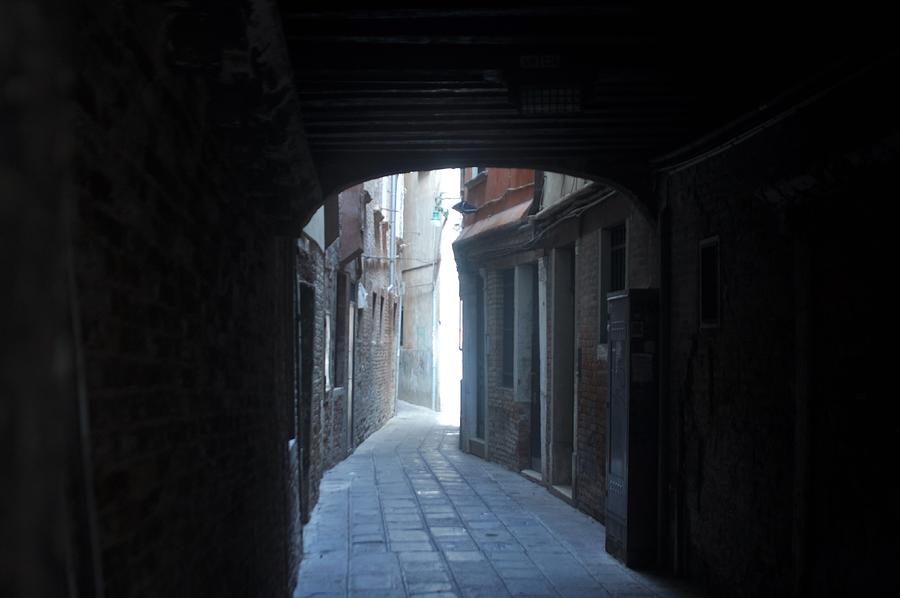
x=532, y=390
x=537, y=254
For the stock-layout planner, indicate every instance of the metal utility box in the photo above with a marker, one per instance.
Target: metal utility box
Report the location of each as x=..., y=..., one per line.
x=632, y=412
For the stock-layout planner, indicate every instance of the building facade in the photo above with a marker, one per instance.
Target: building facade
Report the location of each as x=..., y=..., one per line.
x=428, y=355
x=538, y=255
x=419, y=265
x=348, y=305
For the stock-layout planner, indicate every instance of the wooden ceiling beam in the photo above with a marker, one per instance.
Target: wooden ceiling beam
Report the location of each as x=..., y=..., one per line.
x=412, y=114
x=586, y=40
x=314, y=86
x=389, y=95
x=378, y=145
x=306, y=10
x=489, y=132
x=400, y=103
x=395, y=122
x=608, y=59
x=638, y=153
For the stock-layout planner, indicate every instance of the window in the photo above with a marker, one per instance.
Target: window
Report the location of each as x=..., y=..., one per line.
x=340, y=331
x=509, y=289
x=709, y=282
x=613, y=268
x=376, y=227
x=617, y=258
x=327, y=352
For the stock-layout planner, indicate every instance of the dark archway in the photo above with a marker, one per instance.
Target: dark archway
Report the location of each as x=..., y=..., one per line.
x=156, y=150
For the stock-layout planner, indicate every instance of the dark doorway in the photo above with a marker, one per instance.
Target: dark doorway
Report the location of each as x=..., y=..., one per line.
x=536, y=423
x=306, y=334
x=632, y=466
x=479, y=343
x=563, y=391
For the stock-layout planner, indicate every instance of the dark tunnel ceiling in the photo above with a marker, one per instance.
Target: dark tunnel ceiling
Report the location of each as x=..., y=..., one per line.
x=600, y=89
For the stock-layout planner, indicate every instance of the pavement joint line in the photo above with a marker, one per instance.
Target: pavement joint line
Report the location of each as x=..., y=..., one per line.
x=349, y=537
x=560, y=541
x=437, y=547
x=440, y=443
x=384, y=532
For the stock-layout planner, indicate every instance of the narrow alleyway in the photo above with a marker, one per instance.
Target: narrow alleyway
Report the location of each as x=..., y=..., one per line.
x=408, y=514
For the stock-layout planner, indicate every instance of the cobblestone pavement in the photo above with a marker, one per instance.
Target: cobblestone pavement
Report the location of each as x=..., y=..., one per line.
x=408, y=514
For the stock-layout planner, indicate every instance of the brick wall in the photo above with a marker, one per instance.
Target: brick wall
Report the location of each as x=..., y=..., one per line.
x=851, y=446
x=179, y=282
x=733, y=375
x=589, y=490
x=592, y=382
x=373, y=400
x=334, y=433
x=374, y=359
x=312, y=272
x=285, y=361
x=327, y=406
x=42, y=511
x=750, y=434
x=376, y=337
x=507, y=420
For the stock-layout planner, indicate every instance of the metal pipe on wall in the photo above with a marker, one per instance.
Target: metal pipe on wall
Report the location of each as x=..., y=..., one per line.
x=436, y=262
x=392, y=223
x=392, y=260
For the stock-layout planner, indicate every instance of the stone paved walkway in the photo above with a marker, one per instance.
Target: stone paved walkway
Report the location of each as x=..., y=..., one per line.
x=408, y=514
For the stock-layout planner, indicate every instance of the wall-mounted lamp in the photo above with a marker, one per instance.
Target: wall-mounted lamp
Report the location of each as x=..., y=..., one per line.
x=465, y=207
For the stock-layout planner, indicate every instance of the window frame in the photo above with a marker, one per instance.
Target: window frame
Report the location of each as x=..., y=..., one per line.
x=605, y=277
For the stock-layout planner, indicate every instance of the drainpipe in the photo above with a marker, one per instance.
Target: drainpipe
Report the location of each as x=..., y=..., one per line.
x=392, y=260
x=397, y=345
x=434, y=334
x=392, y=221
